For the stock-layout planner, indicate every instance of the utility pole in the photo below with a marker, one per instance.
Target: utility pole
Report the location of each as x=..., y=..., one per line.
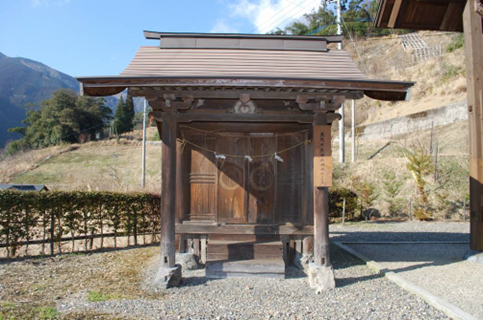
x=143, y=179
x=353, y=130
x=338, y=22
x=341, y=121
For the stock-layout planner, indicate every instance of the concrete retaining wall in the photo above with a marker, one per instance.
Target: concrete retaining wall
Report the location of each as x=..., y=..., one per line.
x=414, y=122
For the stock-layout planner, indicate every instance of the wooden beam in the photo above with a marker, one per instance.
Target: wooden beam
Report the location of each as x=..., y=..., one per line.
x=168, y=194
x=221, y=117
x=449, y=23
x=254, y=95
x=394, y=13
x=472, y=22
x=244, y=229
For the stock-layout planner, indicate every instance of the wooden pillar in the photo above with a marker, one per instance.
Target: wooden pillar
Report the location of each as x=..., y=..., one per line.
x=168, y=192
x=472, y=23
x=322, y=180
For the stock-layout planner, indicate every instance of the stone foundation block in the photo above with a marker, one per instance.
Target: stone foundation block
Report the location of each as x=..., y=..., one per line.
x=168, y=277
x=188, y=261
x=474, y=256
x=321, y=278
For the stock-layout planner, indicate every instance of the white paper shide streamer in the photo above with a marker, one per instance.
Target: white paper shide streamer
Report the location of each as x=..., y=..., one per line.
x=277, y=157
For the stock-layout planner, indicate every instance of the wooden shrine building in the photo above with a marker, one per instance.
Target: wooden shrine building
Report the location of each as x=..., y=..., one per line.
x=246, y=142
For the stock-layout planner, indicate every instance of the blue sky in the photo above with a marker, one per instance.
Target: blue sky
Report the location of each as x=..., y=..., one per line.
x=100, y=37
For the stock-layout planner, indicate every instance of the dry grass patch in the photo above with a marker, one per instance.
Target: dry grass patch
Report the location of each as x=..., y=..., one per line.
x=33, y=283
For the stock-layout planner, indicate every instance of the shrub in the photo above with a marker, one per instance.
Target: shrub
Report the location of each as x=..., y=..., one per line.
x=420, y=164
x=366, y=191
x=336, y=200
x=457, y=42
x=155, y=137
x=392, y=186
x=48, y=216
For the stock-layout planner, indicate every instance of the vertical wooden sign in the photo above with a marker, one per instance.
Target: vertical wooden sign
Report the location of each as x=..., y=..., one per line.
x=322, y=156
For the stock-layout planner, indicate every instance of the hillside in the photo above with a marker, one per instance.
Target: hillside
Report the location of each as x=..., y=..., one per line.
x=25, y=81
x=440, y=80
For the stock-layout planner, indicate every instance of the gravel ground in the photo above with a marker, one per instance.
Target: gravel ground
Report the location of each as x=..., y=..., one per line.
x=360, y=294
x=401, y=231
x=438, y=268
x=118, y=278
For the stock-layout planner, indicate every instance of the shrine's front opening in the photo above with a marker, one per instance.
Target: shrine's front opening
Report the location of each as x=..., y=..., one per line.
x=258, y=175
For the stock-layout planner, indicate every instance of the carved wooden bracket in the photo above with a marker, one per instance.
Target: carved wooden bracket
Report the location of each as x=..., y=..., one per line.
x=320, y=103
x=173, y=103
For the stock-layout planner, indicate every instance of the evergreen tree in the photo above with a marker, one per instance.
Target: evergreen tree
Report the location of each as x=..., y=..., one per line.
x=119, y=117
x=129, y=111
x=64, y=117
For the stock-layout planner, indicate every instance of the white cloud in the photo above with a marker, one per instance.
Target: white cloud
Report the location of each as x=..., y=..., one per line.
x=222, y=26
x=267, y=15
x=38, y=3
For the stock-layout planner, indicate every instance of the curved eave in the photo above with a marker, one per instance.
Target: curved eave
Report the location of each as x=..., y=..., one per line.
x=380, y=90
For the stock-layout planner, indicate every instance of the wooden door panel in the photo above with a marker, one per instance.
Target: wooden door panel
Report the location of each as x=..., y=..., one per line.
x=290, y=180
x=261, y=181
x=202, y=180
x=231, y=197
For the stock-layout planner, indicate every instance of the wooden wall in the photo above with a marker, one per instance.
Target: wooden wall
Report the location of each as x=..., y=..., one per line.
x=235, y=191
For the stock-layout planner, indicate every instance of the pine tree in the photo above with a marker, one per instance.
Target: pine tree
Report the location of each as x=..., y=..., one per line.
x=129, y=113
x=119, y=116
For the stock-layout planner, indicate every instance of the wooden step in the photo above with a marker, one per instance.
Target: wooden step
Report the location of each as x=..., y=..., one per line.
x=244, y=250
x=260, y=268
x=245, y=237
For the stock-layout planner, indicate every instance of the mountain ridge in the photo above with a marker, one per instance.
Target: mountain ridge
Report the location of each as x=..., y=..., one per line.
x=25, y=81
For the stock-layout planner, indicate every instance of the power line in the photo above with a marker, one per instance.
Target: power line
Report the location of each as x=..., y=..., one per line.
x=355, y=47
x=279, y=12
x=291, y=16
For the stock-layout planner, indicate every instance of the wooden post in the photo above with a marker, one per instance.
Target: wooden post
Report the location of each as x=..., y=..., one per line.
x=321, y=226
x=168, y=192
x=203, y=248
x=298, y=247
x=322, y=179
x=472, y=23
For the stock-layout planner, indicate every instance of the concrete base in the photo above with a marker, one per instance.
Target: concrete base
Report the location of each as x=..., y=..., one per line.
x=474, y=256
x=321, y=278
x=168, y=277
x=188, y=261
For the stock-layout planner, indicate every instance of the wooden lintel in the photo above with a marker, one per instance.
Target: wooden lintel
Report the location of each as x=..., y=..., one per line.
x=254, y=95
x=190, y=117
x=394, y=14
x=267, y=118
x=244, y=229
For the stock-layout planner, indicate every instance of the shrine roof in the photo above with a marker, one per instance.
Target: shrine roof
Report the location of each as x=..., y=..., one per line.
x=186, y=59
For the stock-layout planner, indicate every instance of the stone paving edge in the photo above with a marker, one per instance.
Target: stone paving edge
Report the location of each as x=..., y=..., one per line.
x=435, y=301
